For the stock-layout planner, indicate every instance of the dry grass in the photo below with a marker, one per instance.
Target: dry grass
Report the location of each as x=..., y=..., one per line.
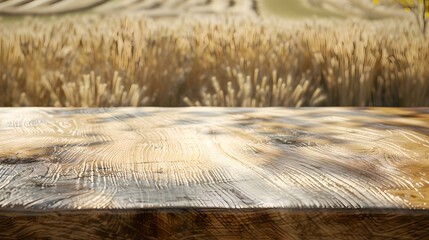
x=133, y=61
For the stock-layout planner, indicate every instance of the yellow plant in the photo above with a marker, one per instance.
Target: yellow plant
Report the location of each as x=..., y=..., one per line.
x=420, y=8
x=93, y=61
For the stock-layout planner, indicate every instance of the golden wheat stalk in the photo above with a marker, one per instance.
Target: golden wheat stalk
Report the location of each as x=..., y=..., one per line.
x=91, y=61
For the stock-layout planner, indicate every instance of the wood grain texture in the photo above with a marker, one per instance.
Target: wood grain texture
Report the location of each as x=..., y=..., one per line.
x=215, y=224
x=290, y=166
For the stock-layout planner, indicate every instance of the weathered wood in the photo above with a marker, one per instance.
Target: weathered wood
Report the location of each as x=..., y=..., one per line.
x=214, y=172
x=187, y=223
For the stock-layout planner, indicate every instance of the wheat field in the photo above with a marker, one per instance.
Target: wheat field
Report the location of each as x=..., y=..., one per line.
x=93, y=61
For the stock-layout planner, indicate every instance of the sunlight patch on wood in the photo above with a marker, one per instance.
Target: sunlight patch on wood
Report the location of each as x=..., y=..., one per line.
x=214, y=158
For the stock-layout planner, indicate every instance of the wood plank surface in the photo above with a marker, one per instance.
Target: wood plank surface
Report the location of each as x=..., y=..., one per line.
x=214, y=172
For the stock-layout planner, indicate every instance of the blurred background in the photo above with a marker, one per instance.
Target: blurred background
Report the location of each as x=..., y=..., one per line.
x=163, y=8
x=331, y=8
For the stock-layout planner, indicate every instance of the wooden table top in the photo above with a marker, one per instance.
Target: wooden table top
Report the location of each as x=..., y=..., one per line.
x=233, y=158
